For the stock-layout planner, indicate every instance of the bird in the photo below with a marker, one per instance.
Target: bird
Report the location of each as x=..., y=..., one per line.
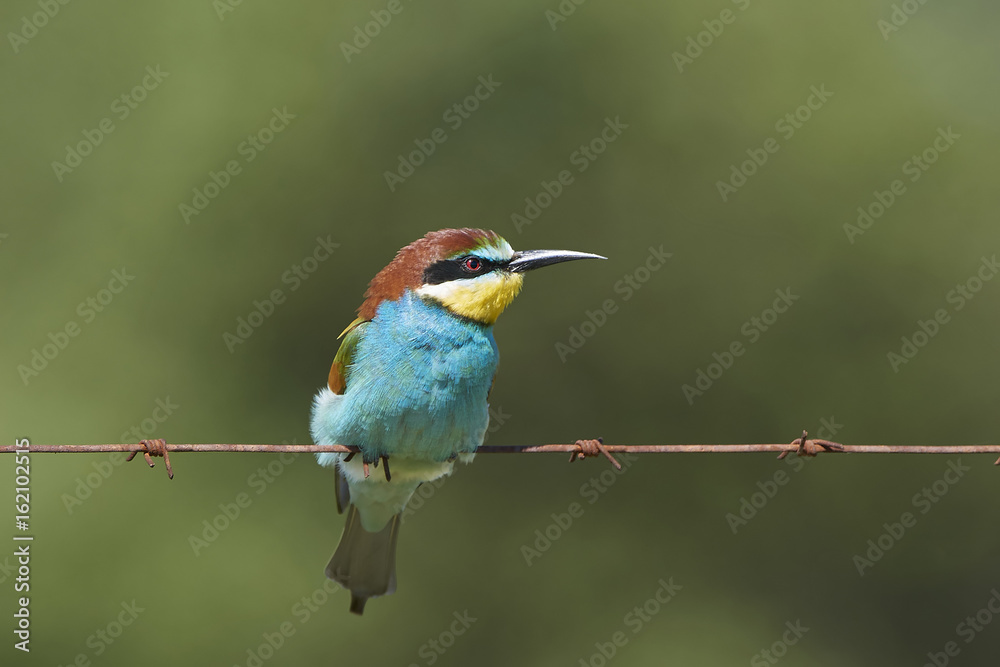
x=410, y=384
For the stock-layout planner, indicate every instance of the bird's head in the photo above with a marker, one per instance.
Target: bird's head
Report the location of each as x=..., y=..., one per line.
x=474, y=273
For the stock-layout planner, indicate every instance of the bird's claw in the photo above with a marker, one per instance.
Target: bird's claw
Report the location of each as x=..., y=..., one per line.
x=385, y=465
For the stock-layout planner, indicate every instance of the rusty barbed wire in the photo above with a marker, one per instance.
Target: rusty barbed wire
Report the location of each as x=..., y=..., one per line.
x=801, y=446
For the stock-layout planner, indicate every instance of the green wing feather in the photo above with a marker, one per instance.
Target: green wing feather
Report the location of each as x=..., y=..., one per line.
x=337, y=382
x=345, y=356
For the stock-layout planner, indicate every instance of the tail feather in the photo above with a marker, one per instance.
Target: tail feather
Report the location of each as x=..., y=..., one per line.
x=342, y=490
x=365, y=563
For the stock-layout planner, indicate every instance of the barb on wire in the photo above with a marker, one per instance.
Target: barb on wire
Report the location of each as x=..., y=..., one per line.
x=812, y=447
x=154, y=447
x=801, y=446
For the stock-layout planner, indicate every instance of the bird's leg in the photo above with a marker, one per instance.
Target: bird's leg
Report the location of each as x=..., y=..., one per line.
x=374, y=462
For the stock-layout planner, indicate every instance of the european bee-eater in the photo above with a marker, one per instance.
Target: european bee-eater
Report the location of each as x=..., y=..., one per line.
x=410, y=384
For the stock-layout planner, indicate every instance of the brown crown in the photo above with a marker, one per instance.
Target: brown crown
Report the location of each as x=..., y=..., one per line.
x=407, y=268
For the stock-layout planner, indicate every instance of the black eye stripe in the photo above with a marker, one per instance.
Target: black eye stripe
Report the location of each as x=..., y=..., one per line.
x=454, y=269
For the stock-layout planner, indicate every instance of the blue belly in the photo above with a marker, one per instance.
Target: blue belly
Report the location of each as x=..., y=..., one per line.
x=417, y=386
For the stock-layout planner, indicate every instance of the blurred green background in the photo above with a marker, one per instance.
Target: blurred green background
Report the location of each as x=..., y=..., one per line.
x=108, y=534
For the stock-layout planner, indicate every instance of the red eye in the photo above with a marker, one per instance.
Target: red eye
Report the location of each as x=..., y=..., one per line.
x=473, y=264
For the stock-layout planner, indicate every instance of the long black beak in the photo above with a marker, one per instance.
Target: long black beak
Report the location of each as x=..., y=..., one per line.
x=526, y=260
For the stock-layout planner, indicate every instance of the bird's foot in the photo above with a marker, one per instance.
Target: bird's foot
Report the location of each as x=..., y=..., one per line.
x=385, y=466
x=593, y=448
x=812, y=447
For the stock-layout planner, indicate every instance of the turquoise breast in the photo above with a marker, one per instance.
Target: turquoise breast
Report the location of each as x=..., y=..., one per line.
x=418, y=383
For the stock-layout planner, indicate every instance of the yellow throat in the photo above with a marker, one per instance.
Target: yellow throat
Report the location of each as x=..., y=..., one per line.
x=481, y=299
